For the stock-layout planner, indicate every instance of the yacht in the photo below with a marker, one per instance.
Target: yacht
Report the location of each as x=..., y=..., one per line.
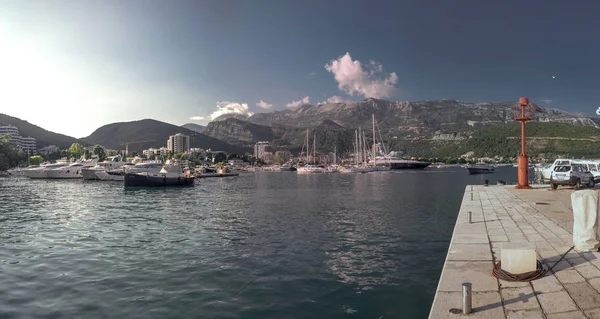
x=111, y=163
x=41, y=172
x=480, y=168
x=398, y=163
x=145, y=167
x=71, y=171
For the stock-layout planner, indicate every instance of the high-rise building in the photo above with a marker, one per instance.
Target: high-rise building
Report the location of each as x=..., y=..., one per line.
x=260, y=148
x=178, y=143
x=27, y=144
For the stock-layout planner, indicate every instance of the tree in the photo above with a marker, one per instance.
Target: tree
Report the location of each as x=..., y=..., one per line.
x=86, y=154
x=232, y=156
x=76, y=150
x=36, y=160
x=111, y=153
x=99, y=150
x=219, y=157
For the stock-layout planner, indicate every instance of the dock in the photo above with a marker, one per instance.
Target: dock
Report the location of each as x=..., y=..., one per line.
x=501, y=214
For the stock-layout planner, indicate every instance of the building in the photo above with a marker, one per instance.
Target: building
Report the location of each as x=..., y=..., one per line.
x=27, y=144
x=236, y=161
x=196, y=152
x=260, y=148
x=47, y=150
x=178, y=143
x=155, y=152
x=282, y=157
x=268, y=157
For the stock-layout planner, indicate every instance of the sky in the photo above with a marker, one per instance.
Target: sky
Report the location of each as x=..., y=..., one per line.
x=73, y=66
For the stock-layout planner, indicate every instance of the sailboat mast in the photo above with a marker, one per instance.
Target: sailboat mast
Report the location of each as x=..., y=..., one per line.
x=356, y=147
x=307, y=148
x=335, y=155
x=360, y=152
x=374, y=154
x=315, y=149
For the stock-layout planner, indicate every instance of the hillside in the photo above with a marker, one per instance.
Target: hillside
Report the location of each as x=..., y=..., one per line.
x=154, y=133
x=434, y=124
x=543, y=139
x=42, y=136
x=194, y=127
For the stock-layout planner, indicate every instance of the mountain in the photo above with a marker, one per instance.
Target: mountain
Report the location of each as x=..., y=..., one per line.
x=399, y=123
x=224, y=117
x=152, y=133
x=194, y=127
x=42, y=136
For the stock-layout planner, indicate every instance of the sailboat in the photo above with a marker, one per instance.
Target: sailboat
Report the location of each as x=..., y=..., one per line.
x=382, y=166
x=309, y=168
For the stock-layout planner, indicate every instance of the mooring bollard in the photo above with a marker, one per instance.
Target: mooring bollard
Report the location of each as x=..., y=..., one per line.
x=466, y=298
x=470, y=218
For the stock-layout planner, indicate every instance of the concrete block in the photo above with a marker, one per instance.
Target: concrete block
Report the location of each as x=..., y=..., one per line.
x=524, y=314
x=518, y=258
x=519, y=298
x=546, y=284
x=584, y=295
x=569, y=276
x=556, y=302
x=568, y=315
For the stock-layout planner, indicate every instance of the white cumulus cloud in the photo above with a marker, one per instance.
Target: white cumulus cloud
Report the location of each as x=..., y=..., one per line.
x=226, y=107
x=304, y=100
x=264, y=105
x=334, y=99
x=197, y=118
x=547, y=101
x=353, y=79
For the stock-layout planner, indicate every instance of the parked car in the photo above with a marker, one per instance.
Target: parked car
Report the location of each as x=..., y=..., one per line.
x=572, y=175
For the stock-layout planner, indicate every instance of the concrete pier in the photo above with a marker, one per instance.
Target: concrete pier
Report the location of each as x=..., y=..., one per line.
x=503, y=214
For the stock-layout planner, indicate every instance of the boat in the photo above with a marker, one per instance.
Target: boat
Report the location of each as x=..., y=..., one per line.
x=41, y=172
x=222, y=171
x=117, y=174
x=310, y=168
x=71, y=171
x=145, y=167
x=480, y=168
x=111, y=163
x=170, y=175
x=287, y=168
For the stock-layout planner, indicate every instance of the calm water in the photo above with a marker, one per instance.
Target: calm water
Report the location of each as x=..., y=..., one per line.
x=264, y=245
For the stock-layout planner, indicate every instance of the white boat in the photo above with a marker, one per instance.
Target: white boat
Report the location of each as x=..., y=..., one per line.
x=286, y=168
x=111, y=163
x=111, y=175
x=309, y=168
x=71, y=171
x=145, y=167
x=41, y=172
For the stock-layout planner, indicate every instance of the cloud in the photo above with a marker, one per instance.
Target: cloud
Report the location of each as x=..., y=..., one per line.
x=305, y=100
x=546, y=101
x=354, y=80
x=334, y=99
x=264, y=105
x=197, y=118
x=312, y=73
x=226, y=107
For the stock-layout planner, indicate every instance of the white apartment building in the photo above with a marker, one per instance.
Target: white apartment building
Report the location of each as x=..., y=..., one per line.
x=178, y=143
x=155, y=152
x=49, y=149
x=27, y=144
x=260, y=149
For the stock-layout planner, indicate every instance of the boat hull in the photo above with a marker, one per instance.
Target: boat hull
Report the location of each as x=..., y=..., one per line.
x=409, y=165
x=145, y=180
x=89, y=174
x=475, y=170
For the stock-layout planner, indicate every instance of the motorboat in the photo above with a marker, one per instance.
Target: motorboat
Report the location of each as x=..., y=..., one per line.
x=41, y=172
x=169, y=175
x=71, y=171
x=480, y=168
x=286, y=168
x=145, y=167
x=111, y=163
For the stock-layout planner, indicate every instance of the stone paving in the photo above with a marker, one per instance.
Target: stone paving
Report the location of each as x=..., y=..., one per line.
x=502, y=214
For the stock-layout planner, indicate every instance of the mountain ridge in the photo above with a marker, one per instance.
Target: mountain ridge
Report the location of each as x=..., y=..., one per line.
x=43, y=137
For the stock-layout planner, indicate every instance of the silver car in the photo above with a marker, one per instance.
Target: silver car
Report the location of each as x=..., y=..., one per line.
x=572, y=175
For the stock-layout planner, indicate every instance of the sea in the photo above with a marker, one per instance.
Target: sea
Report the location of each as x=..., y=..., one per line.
x=260, y=245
